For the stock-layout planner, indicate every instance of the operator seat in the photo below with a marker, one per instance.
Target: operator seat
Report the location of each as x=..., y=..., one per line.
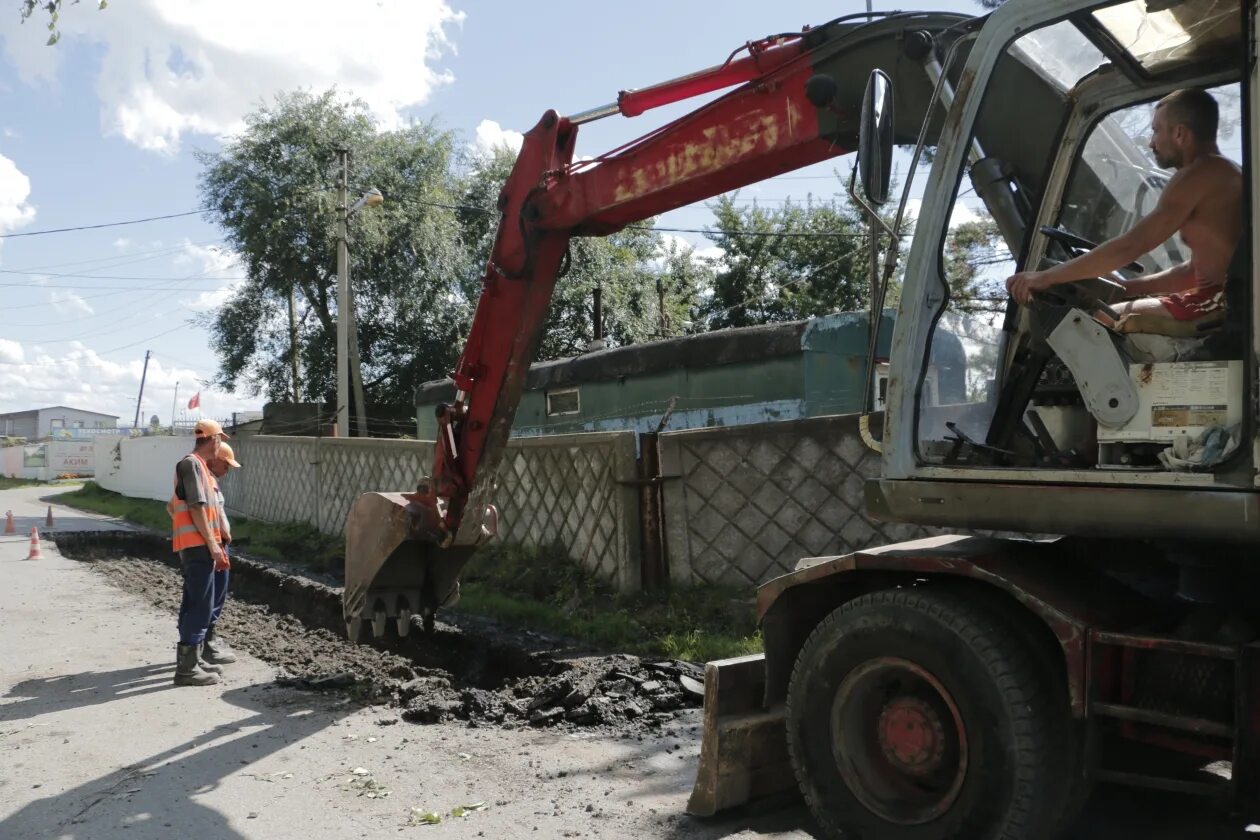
x=1219, y=335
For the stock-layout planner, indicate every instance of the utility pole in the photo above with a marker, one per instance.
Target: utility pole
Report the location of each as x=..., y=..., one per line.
x=140, y=399
x=293, y=339
x=174, y=402
x=660, y=308
x=597, y=325
x=343, y=298
x=356, y=375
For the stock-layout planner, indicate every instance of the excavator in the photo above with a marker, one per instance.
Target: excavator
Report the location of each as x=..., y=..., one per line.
x=1086, y=611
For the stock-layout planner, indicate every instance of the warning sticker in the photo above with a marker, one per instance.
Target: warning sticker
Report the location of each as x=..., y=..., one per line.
x=1188, y=415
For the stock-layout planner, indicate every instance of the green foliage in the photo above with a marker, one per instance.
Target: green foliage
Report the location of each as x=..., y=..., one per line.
x=545, y=589
x=625, y=266
x=292, y=542
x=7, y=483
x=273, y=189
x=53, y=7
x=779, y=267
x=970, y=248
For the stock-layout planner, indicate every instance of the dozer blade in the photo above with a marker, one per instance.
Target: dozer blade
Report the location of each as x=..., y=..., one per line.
x=390, y=575
x=743, y=756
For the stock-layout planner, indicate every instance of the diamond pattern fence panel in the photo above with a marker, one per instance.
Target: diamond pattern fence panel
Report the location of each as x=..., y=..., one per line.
x=572, y=489
x=744, y=503
x=577, y=490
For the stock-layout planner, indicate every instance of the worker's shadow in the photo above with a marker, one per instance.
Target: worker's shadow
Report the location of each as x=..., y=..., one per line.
x=158, y=795
x=41, y=696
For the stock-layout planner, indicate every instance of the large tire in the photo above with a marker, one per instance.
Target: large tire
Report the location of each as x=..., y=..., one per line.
x=918, y=714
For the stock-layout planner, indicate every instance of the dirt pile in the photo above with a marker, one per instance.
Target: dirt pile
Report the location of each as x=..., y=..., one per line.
x=470, y=669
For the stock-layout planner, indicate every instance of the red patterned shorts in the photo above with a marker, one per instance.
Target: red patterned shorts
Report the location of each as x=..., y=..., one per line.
x=1193, y=305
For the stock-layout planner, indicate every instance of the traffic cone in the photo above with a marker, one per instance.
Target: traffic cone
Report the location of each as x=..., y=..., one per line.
x=48, y=523
x=8, y=523
x=35, y=554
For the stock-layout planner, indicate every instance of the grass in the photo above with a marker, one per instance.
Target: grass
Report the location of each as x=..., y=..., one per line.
x=7, y=483
x=543, y=588
x=291, y=541
x=540, y=588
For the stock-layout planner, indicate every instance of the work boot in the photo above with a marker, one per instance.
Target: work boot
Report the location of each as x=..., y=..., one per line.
x=187, y=672
x=215, y=650
x=205, y=664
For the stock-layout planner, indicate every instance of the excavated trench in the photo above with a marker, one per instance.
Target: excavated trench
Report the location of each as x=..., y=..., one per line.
x=469, y=669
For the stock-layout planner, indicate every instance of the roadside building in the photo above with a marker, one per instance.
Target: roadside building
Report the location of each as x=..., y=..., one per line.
x=729, y=377
x=57, y=422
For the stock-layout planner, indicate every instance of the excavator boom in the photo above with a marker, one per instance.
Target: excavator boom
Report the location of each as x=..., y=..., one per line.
x=797, y=104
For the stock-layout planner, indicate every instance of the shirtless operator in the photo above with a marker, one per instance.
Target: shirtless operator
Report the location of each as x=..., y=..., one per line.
x=1203, y=200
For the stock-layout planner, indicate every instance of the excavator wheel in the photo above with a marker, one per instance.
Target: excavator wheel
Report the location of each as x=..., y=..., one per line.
x=916, y=714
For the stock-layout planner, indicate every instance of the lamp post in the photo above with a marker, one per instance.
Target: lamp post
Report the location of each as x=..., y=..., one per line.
x=345, y=317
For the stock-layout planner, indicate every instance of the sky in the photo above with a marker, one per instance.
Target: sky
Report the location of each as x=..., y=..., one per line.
x=103, y=128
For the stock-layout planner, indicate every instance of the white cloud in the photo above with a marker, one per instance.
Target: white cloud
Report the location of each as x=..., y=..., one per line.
x=11, y=352
x=122, y=243
x=79, y=377
x=961, y=214
x=214, y=263
x=490, y=136
x=711, y=254
x=209, y=260
x=15, y=188
x=172, y=67
x=65, y=302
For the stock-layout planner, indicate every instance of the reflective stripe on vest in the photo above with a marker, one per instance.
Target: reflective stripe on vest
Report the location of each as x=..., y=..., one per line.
x=184, y=533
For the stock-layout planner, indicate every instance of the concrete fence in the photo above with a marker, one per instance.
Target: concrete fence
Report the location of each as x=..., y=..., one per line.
x=735, y=505
x=575, y=490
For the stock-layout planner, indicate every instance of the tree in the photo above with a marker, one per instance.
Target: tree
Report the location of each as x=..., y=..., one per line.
x=625, y=266
x=975, y=254
x=273, y=190
x=794, y=262
x=53, y=7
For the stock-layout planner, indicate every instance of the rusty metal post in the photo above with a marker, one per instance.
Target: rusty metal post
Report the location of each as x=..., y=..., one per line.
x=654, y=571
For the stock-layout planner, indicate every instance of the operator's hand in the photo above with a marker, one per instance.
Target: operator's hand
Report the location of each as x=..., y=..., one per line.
x=221, y=562
x=1022, y=285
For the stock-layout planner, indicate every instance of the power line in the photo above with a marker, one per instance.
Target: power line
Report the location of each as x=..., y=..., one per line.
x=102, y=225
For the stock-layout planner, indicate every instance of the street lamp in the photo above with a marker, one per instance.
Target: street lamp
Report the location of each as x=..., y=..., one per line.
x=345, y=315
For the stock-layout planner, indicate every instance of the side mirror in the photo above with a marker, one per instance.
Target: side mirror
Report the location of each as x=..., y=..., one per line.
x=875, y=138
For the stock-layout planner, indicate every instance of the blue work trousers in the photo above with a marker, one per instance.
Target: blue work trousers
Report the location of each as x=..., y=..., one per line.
x=201, y=601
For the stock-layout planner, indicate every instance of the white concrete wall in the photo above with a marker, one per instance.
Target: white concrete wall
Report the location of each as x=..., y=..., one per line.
x=141, y=467
x=46, y=461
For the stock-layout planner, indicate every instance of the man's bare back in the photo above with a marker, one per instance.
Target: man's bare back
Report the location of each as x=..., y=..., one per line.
x=1215, y=225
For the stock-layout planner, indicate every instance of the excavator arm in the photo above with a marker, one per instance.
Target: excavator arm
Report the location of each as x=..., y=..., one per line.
x=797, y=104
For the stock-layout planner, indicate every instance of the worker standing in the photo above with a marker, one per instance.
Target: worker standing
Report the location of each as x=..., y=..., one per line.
x=196, y=523
x=213, y=649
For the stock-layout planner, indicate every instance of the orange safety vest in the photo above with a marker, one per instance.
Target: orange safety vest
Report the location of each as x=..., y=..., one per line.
x=184, y=533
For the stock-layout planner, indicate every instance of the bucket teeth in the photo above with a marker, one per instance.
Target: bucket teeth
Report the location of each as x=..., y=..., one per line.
x=404, y=621
x=379, y=620
x=353, y=628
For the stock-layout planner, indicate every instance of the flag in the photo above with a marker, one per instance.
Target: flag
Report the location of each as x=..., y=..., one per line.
x=195, y=402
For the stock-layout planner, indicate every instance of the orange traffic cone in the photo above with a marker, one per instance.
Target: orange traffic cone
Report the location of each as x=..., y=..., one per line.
x=8, y=523
x=48, y=523
x=35, y=554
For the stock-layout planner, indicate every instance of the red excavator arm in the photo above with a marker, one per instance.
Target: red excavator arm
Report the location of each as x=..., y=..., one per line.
x=797, y=105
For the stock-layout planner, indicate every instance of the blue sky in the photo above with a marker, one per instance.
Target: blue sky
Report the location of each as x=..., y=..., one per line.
x=103, y=126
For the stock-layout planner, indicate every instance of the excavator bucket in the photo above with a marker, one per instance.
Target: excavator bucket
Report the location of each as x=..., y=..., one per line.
x=743, y=754
x=390, y=574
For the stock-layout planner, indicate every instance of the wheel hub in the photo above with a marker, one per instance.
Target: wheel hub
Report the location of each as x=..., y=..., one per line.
x=898, y=740
x=911, y=735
